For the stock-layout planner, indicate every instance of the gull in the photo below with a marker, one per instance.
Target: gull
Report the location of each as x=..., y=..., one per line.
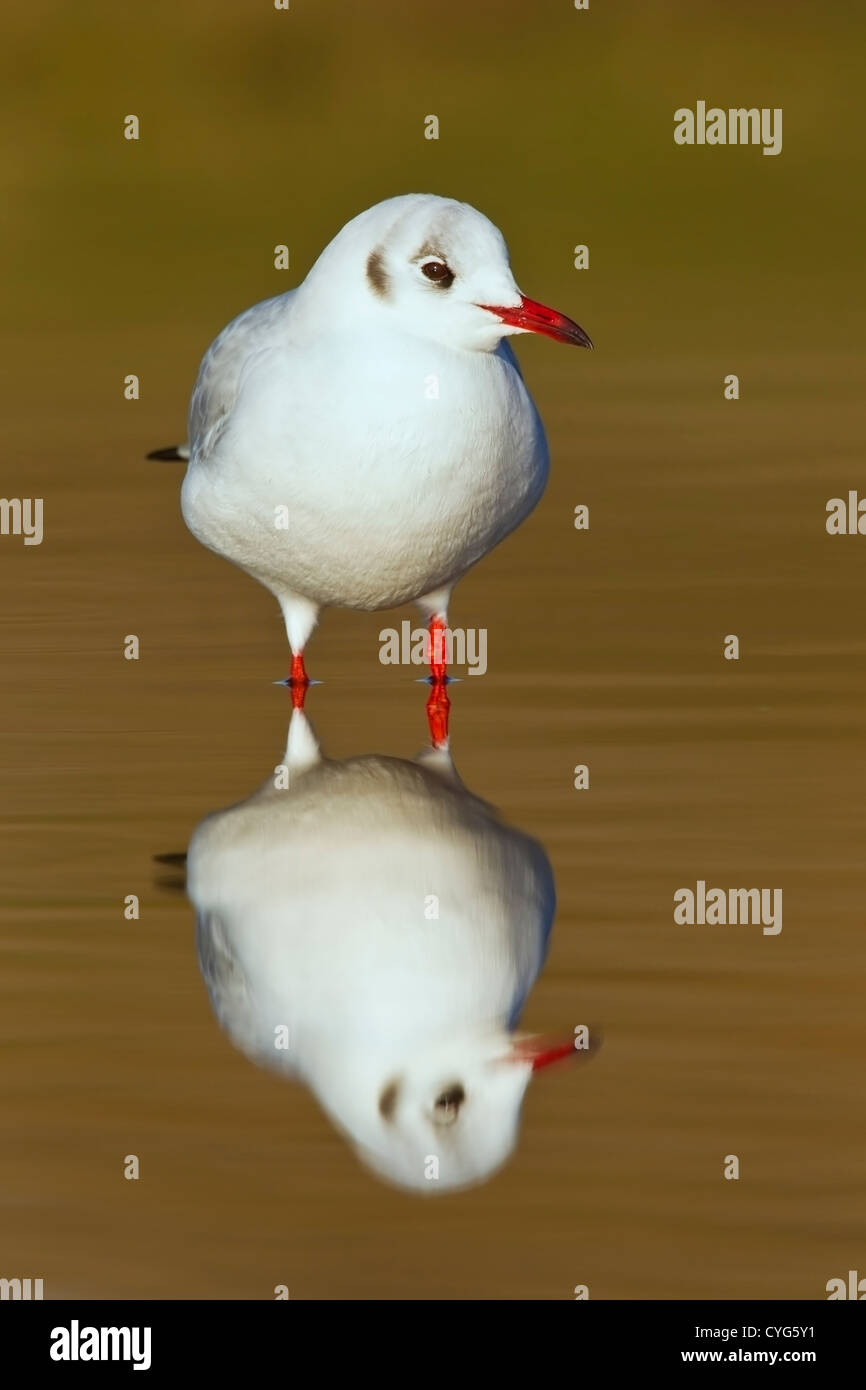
x=363, y=440
x=370, y=928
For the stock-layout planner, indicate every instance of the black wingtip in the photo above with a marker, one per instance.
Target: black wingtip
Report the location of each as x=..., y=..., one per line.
x=170, y=455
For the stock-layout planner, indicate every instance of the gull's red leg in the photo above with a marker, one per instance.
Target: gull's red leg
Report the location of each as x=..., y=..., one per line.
x=436, y=653
x=438, y=707
x=299, y=681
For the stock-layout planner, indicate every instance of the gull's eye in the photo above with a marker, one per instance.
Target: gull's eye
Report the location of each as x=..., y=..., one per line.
x=439, y=273
x=447, y=1105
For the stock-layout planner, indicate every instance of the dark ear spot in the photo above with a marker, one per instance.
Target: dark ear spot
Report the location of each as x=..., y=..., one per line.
x=388, y=1100
x=376, y=274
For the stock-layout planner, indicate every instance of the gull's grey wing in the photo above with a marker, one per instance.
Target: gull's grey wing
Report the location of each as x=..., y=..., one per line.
x=216, y=388
x=233, y=996
x=226, y=981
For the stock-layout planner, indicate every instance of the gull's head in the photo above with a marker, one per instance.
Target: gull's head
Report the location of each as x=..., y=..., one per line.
x=436, y=269
x=445, y=1118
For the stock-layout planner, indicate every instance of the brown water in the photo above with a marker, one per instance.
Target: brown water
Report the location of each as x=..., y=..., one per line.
x=605, y=647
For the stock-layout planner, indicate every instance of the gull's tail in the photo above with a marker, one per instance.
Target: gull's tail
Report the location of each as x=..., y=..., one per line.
x=175, y=877
x=175, y=453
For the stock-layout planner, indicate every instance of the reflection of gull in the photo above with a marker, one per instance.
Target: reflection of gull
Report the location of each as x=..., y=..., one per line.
x=373, y=931
x=364, y=439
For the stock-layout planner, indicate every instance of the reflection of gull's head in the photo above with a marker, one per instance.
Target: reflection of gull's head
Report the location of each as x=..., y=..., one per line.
x=446, y=1117
x=372, y=929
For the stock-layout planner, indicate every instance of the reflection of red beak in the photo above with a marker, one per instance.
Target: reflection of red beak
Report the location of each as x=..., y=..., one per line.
x=537, y=318
x=540, y=1052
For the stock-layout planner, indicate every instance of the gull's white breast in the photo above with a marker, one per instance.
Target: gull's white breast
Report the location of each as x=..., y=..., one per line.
x=399, y=462
x=316, y=912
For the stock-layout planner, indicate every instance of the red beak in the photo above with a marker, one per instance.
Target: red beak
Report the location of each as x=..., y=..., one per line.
x=540, y=1052
x=537, y=318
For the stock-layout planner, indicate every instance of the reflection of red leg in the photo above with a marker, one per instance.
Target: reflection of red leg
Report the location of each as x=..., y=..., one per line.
x=438, y=707
x=298, y=680
x=436, y=653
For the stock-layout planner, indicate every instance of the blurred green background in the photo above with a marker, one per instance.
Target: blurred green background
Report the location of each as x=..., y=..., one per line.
x=260, y=125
